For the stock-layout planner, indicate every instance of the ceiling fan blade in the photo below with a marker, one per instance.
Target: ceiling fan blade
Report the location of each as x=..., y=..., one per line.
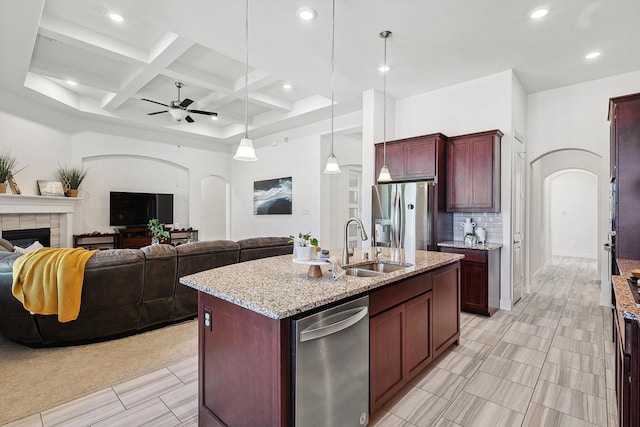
x=155, y=102
x=206, y=113
x=186, y=102
x=157, y=112
x=189, y=119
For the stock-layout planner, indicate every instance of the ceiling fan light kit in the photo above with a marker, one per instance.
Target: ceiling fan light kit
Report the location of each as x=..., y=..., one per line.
x=178, y=109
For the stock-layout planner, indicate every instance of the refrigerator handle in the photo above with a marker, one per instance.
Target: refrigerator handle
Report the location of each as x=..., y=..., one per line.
x=397, y=220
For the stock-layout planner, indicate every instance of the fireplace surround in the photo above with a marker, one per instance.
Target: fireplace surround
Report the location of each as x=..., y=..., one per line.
x=26, y=237
x=22, y=211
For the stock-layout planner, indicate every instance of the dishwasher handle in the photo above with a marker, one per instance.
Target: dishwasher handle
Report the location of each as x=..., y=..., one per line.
x=310, y=334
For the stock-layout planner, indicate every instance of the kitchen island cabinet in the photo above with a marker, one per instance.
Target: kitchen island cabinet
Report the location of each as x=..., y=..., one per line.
x=246, y=312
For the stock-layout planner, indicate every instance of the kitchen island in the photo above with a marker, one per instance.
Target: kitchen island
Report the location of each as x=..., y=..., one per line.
x=246, y=311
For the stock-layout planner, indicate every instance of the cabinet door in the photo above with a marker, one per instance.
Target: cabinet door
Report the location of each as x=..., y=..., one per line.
x=473, y=287
x=481, y=172
x=457, y=175
x=420, y=158
x=386, y=332
x=446, y=308
x=395, y=160
x=418, y=334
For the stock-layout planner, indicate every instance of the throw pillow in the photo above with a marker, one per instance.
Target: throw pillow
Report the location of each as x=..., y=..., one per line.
x=32, y=247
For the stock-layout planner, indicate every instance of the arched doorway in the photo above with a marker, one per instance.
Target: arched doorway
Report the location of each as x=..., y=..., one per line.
x=563, y=220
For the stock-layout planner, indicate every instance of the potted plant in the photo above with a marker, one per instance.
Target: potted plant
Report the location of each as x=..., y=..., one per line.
x=7, y=162
x=158, y=231
x=71, y=178
x=305, y=246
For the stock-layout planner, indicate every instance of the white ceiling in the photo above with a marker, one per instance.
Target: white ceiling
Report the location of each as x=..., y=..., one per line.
x=435, y=43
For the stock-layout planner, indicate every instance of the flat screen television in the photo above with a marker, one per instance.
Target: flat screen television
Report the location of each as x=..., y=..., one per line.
x=136, y=209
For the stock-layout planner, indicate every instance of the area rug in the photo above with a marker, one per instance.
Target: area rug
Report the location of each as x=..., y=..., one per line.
x=34, y=380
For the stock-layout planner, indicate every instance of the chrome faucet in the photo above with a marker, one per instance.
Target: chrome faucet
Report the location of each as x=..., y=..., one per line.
x=345, y=248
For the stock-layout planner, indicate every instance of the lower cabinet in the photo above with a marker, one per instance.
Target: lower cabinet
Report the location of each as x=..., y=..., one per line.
x=446, y=308
x=627, y=371
x=480, y=280
x=411, y=323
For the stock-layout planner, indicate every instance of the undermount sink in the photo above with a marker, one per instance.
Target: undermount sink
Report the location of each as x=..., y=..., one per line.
x=360, y=272
x=373, y=269
x=381, y=267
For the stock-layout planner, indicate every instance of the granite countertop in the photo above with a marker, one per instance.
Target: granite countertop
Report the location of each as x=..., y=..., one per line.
x=479, y=246
x=278, y=288
x=624, y=298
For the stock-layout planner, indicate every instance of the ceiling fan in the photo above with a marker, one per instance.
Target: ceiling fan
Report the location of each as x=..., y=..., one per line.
x=178, y=109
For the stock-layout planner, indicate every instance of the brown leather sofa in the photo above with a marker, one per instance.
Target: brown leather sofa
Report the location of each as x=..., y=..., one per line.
x=128, y=290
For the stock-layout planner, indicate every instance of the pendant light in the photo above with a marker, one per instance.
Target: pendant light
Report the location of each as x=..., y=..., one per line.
x=332, y=166
x=245, y=151
x=385, y=175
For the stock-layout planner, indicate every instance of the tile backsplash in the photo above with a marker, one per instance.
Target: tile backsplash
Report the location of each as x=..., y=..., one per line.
x=492, y=222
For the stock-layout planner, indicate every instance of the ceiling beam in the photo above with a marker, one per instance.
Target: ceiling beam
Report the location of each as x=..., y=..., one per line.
x=164, y=53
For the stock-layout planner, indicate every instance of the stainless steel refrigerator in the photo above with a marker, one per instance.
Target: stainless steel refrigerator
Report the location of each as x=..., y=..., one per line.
x=410, y=215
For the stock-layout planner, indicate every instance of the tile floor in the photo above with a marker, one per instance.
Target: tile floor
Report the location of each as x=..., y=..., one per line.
x=549, y=362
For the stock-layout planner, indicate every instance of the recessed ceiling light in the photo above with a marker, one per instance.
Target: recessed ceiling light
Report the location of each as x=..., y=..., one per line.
x=538, y=13
x=116, y=17
x=592, y=55
x=71, y=83
x=384, y=68
x=287, y=86
x=214, y=117
x=306, y=13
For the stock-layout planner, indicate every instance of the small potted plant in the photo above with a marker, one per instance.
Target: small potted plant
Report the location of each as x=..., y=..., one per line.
x=7, y=163
x=71, y=178
x=305, y=246
x=158, y=231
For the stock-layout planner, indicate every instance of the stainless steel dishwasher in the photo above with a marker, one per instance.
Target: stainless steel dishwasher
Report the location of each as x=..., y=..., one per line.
x=331, y=366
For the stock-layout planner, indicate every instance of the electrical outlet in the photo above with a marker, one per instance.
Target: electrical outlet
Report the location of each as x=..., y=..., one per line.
x=207, y=319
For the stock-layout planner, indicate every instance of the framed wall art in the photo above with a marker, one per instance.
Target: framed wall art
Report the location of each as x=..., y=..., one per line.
x=50, y=188
x=272, y=196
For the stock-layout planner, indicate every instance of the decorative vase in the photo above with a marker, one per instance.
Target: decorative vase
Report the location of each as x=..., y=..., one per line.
x=72, y=193
x=482, y=234
x=305, y=253
x=154, y=240
x=3, y=188
x=468, y=226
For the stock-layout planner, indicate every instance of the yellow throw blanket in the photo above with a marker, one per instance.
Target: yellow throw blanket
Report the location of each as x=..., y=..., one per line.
x=49, y=281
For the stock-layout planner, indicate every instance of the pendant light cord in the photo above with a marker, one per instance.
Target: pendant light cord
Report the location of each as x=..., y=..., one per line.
x=246, y=73
x=384, y=104
x=333, y=37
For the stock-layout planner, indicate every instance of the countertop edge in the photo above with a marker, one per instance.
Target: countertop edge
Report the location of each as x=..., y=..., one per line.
x=366, y=284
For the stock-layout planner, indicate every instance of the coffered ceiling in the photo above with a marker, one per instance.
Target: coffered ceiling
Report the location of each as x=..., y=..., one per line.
x=435, y=43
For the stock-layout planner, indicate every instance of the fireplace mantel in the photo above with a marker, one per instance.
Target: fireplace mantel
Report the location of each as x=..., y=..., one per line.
x=23, y=204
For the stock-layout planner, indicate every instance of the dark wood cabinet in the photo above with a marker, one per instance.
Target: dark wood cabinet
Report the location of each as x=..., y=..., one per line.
x=446, y=308
x=387, y=368
x=624, y=114
x=627, y=369
x=91, y=241
x=480, y=280
x=418, y=334
x=473, y=172
x=415, y=158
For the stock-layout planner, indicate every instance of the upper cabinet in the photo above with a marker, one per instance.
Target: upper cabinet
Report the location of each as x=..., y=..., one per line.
x=624, y=114
x=414, y=158
x=473, y=172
